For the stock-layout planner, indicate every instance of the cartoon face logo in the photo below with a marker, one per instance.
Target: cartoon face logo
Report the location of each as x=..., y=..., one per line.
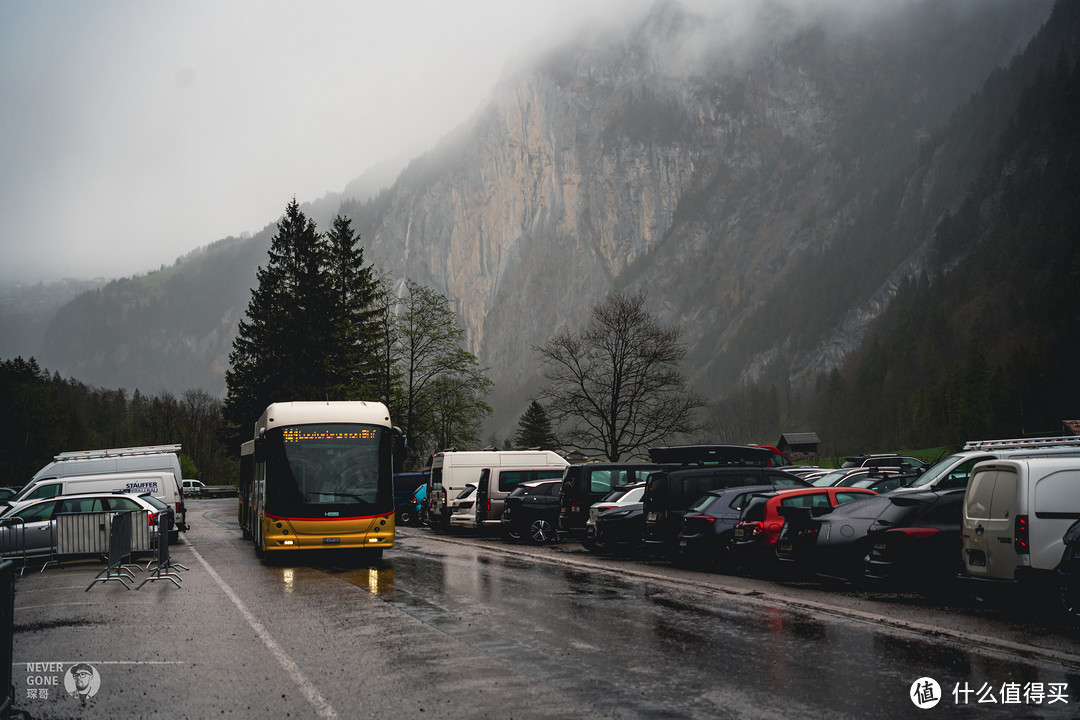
x=82, y=681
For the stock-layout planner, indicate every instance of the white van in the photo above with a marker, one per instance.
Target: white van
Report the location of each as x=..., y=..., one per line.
x=160, y=485
x=452, y=470
x=485, y=508
x=146, y=459
x=1015, y=512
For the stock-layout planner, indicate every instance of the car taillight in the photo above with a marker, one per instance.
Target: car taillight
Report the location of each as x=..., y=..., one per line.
x=703, y=518
x=915, y=532
x=152, y=517
x=575, y=507
x=1020, y=536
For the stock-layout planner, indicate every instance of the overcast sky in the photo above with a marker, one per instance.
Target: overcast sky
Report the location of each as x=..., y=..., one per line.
x=132, y=132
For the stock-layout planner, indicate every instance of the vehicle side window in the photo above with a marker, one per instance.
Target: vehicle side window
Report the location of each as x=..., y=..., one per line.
x=844, y=497
x=121, y=504
x=508, y=480
x=600, y=481
x=778, y=480
x=739, y=501
x=553, y=474
x=44, y=491
x=80, y=505
x=552, y=489
x=38, y=512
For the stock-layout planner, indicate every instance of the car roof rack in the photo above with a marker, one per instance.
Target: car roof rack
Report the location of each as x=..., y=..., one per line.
x=117, y=452
x=1022, y=443
x=705, y=455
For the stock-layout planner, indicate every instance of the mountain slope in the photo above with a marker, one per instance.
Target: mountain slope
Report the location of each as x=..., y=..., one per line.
x=770, y=180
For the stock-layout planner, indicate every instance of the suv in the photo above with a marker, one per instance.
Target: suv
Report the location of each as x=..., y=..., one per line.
x=531, y=511
x=585, y=485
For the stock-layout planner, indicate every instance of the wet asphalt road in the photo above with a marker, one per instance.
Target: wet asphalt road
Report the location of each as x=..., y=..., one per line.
x=460, y=627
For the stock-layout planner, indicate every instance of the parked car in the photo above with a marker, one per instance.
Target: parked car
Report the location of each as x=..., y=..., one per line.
x=915, y=542
x=886, y=460
x=623, y=496
x=758, y=527
x=708, y=525
x=532, y=511
x=27, y=528
x=620, y=529
x=405, y=486
x=1016, y=512
x=587, y=484
x=829, y=542
x=1069, y=571
x=462, y=505
x=668, y=493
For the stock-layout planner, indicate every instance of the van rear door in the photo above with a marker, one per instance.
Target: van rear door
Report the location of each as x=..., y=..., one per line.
x=990, y=522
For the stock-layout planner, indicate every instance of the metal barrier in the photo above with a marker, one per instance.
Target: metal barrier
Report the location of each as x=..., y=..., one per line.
x=162, y=569
x=89, y=533
x=7, y=647
x=13, y=541
x=118, y=569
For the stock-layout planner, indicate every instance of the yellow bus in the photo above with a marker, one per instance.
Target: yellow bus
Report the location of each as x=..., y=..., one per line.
x=319, y=475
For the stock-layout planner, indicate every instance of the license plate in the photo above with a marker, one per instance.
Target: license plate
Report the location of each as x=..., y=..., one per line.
x=785, y=547
x=331, y=541
x=652, y=517
x=976, y=558
x=880, y=547
x=682, y=543
x=738, y=533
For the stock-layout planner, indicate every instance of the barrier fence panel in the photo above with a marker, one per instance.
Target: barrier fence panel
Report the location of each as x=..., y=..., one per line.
x=82, y=533
x=119, y=553
x=161, y=571
x=13, y=541
x=7, y=626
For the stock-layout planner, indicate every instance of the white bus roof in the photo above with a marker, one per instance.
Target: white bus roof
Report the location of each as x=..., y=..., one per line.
x=312, y=412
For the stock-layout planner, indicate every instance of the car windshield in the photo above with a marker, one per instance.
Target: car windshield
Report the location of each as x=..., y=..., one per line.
x=936, y=471
x=829, y=478
x=613, y=495
x=755, y=509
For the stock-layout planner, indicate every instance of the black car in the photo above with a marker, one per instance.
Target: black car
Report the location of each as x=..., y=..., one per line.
x=620, y=529
x=708, y=524
x=587, y=484
x=1069, y=571
x=915, y=542
x=829, y=542
x=668, y=494
x=532, y=511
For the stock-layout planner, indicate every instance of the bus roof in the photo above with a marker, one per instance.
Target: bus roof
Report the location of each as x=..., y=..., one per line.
x=312, y=412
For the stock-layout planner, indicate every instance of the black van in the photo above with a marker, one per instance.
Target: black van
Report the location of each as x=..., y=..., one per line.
x=583, y=485
x=669, y=492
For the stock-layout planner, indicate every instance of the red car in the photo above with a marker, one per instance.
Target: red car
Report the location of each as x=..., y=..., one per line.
x=759, y=523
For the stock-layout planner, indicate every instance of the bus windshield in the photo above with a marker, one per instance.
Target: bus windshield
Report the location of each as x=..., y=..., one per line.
x=327, y=465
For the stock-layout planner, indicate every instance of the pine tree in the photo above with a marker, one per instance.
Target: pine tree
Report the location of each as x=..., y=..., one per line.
x=284, y=346
x=357, y=328
x=534, y=429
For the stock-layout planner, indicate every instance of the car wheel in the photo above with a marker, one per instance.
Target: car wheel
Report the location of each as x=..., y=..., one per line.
x=405, y=517
x=541, y=531
x=512, y=532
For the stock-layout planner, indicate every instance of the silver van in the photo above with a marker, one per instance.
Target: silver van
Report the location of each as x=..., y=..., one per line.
x=492, y=488
x=1015, y=513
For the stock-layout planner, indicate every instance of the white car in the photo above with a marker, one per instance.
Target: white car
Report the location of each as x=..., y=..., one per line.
x=29, y=528
x=463, y=508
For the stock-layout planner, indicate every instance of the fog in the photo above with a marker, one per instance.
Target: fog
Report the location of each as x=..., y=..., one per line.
x=132, y=133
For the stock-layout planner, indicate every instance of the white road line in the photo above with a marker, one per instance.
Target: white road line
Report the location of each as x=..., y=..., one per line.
x=322, y=707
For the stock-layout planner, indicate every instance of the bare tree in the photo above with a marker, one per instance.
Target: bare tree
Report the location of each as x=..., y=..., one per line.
x=616, y=387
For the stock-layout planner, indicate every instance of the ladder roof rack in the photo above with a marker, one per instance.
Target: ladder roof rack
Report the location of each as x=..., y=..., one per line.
x=118, y=452
x=1022, y=443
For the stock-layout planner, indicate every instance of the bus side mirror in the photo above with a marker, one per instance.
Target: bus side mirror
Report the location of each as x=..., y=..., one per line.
x=259, y=452
x=400, y=445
